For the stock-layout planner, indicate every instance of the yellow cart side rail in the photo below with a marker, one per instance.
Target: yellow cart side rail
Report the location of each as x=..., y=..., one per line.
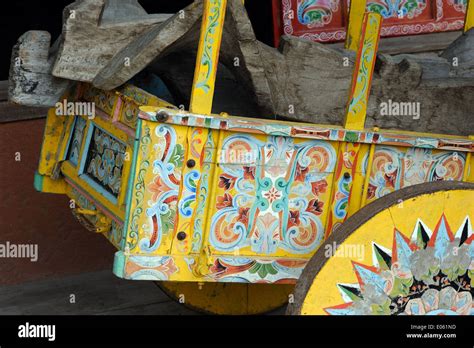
x=307, y=131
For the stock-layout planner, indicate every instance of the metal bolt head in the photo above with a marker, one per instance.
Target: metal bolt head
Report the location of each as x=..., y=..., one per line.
x=162, y=116
x=181, y=236
x=347, y=176
x=191, y=163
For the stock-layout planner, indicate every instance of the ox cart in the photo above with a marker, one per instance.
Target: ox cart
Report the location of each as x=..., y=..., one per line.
x=228, y=213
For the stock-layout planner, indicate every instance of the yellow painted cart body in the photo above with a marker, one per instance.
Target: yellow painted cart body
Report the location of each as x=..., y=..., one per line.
x=195, y=197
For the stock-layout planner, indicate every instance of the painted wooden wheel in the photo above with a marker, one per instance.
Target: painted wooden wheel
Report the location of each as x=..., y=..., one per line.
x=410, y=252
x=228, y=298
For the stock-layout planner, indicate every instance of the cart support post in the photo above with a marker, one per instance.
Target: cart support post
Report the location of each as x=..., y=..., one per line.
x=349, y=152
x=354, y=25
x=469, y=22
x=363, y=72
x=208, y=56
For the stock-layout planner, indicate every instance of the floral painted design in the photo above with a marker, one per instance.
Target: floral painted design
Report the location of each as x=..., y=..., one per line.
x=396, y=168
x=164, y=188
x=105, y=159
x=244, y=270
x=430, y=273
x=459, y=5
x=316, y=13
x=76, y=141
x=140, y=267
x=275, y=200
x=398, y=9
x=209, y=47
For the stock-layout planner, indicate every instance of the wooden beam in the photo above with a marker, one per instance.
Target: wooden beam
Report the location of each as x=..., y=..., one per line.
x=363, y=72
x=30, y=79
x=94, y=31
x=10, y=112
x=143, y=49
x=208, y=56
x=354, y=26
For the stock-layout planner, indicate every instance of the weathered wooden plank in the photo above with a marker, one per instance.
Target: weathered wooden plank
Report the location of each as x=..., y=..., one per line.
x=302, y=80
x=128, y=11
x=460, y=55
x=30, y=80
x=240, y=52
x=93, y=32
x=147, y=46
x=310, y=81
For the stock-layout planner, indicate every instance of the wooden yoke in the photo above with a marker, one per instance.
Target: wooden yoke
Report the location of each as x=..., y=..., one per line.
x=363, y=72
x=208, y=56
x=469, y=22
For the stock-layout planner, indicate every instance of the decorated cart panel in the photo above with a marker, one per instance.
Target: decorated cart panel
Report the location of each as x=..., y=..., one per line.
x=327, y=20
x=216, y=198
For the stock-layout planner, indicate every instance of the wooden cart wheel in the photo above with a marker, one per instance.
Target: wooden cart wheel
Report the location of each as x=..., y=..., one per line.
x=228, y=298
x=410, y=252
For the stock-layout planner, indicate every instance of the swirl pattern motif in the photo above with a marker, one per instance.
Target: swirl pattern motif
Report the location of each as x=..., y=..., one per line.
x=316, y=13
x=396, y=168
x=76, y=142
x=105, y=159
x=209, y=39
x=163, y=190
x=271, y=195
x=401, y=8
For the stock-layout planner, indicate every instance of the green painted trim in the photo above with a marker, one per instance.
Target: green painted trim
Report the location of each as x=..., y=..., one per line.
x=119, y=264
x=131, y=180
x=38, y=182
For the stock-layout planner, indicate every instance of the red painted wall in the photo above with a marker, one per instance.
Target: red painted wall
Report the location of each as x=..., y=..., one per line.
x=27, y=216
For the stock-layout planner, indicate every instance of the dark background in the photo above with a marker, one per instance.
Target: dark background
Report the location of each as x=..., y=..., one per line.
x=19, y=16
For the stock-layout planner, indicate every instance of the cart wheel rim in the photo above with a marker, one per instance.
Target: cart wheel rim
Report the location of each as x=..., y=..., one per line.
x=375, y=263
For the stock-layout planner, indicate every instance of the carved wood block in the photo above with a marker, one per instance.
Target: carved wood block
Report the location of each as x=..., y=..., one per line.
x=30, y=80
